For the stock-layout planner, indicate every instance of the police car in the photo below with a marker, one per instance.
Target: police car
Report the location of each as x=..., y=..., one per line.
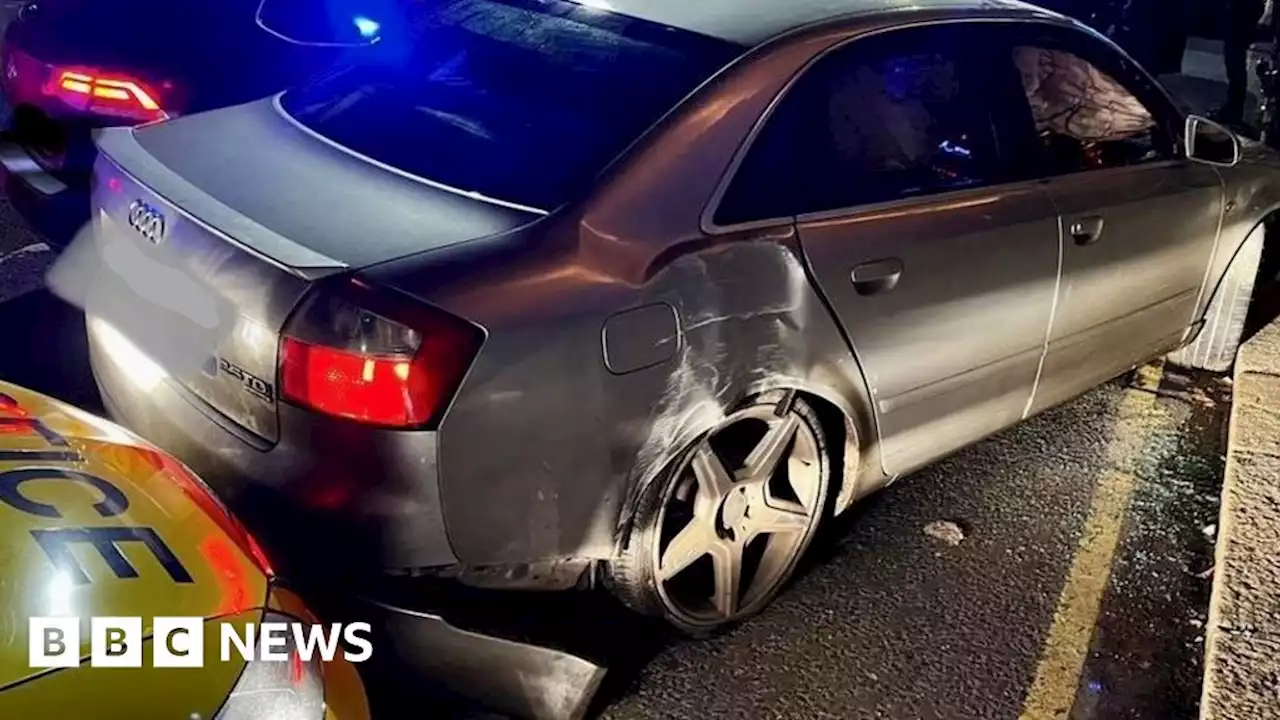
x=95, y=523
x=68, y=67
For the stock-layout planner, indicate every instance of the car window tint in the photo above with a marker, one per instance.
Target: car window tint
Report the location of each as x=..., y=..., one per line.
x=896, y=116
x=902, y=126
x=1085, y=118
x=523, y=101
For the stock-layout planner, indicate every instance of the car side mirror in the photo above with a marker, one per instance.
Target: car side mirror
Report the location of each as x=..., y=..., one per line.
x=1211, y=143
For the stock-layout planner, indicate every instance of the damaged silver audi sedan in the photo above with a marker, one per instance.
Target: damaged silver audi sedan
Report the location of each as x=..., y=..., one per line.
x=551, y=292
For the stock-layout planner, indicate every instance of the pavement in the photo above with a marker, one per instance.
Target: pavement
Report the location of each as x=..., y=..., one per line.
x=1242, y=664
x=1201, y=87
x=1059, y=569
x=1203, y=79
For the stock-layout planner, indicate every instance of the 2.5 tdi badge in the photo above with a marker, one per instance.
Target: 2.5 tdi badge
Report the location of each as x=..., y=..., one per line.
x=252, y=384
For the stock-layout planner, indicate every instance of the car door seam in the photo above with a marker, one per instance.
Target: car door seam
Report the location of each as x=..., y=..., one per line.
x=1053, y=312
x=873, y=412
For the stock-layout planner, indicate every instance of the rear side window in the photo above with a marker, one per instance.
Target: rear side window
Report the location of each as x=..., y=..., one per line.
x=523, y=101
x=900, y=115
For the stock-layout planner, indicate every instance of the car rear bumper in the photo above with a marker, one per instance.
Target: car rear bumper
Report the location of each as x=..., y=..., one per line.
x=359, y=513
x=273, y=492
x=518, y=678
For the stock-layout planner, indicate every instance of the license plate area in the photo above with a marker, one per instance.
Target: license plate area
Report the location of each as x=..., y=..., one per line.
x=203, y=309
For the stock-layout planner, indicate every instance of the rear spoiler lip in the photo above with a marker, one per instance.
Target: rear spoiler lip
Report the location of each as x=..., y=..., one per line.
x=120, y=148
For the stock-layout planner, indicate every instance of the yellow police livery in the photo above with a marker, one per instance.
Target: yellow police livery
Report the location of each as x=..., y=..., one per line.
x=95, y=522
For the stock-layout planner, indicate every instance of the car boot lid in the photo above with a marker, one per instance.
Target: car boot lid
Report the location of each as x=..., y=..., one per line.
x=257, y=176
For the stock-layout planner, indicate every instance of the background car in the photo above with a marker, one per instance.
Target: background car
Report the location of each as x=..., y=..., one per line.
x=72, y=485
x=643, y=295
x=69, y=66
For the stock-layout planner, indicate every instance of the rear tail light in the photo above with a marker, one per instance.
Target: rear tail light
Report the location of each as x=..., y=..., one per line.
x=105, y=94
x=362, y=355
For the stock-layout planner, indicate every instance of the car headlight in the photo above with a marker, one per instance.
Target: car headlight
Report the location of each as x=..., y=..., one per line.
x=292, y=690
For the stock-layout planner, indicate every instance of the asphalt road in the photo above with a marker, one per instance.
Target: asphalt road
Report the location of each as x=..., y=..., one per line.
x=1078, y=590
x=1068, y=578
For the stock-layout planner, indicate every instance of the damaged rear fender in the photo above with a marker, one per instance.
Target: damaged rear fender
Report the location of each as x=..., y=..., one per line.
x=858, y=475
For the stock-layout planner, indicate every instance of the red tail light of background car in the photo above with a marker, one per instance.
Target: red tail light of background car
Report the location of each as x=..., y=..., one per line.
x=114, y=94
x=58, y=90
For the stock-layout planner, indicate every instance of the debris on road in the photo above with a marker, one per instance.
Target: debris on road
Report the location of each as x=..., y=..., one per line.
x=946, y=531
x=36, y=247
x=1210, y=530
x=22, y=269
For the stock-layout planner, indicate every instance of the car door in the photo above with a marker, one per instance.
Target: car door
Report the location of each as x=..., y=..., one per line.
x=1139, y=220
x=937, y=261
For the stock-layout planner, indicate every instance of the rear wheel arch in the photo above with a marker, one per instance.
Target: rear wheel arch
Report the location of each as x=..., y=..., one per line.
x=846, y=432
x=845, y=429
x=847, y=426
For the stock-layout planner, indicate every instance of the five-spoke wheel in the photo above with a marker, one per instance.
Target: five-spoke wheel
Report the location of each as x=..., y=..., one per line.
x=724, y=531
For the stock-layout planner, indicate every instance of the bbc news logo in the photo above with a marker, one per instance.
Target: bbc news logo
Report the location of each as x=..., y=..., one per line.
x=177, y=642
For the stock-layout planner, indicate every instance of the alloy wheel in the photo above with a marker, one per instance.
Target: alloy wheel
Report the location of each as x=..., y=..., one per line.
x=738, y=516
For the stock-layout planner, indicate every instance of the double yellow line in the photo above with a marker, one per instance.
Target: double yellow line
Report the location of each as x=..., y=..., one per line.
x=1065, y=650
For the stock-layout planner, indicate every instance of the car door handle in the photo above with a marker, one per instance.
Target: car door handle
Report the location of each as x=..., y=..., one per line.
x=1087, y=230
x=877, y=276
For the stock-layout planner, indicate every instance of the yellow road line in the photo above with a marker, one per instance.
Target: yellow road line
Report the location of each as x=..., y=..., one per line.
x=1065, y=650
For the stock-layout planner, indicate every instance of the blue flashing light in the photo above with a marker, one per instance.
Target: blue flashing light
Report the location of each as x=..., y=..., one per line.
x=366, y=27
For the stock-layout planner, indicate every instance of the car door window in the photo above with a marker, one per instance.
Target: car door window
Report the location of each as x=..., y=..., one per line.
x=900, y=115
x=901, y=126
x=1086, y=117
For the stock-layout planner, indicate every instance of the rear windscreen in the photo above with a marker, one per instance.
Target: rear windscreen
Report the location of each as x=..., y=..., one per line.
x=523, y=101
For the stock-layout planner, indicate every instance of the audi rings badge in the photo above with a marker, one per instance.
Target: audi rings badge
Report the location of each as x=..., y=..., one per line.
x=148, y=221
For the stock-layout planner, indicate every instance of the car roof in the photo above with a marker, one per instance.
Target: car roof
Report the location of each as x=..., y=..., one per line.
x=751, y=22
